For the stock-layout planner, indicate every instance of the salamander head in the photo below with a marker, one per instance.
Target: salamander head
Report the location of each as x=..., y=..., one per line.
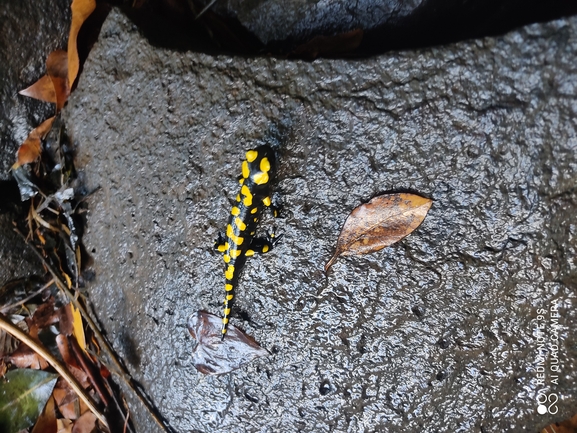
x=259, y=166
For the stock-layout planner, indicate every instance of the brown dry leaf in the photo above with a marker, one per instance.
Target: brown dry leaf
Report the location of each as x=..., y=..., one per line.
x=64, y=425
x=81, y=10
x=47, y=420
x=24, y=357
x=384, y=220
x=57, y=70
x=567, y=426
x=213, y=355
x=69, y=405
x=43, y=89
x=85, y=424
x=52, y=87
x=29, y=151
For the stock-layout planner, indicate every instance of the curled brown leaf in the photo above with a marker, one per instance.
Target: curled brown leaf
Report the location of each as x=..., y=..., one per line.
x=384, y=220
x=81, y=10
x=29, y=151
x=214, y=355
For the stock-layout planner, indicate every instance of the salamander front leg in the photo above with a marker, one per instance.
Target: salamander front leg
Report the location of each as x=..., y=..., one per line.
x=220, y=244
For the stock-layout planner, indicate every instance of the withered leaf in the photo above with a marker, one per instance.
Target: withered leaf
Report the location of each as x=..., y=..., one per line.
x=212, y=355
x=29, y=151
x=384, y=220
x=81, y=10
x=43, y=89
x=57, y=70
x=52, y=87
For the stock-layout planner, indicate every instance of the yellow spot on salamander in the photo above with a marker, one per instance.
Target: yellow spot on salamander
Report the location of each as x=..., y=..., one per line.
x=229, y=272
x=260, y=178
x=235, y=253
x=225, y=321
x=266, y=201
x=222, y=248
x=226, y=258
x=226, y=311
x=251, y=155
x=235, y=211
x=230, y=234
x=228, y=287
x=254, y=210
x=238, y=197
x=229, y=297
x=245, y=170
x=241, y=181
x=239, y=223
x=265, y=248
x=247, y=196
x=249, y=253
x=264, y=165
x=224, y=330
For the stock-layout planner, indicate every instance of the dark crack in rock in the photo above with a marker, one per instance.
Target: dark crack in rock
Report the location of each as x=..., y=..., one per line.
x=486, y=128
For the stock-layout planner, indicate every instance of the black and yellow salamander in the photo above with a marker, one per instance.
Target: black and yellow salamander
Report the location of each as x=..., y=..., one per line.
x=258, y=170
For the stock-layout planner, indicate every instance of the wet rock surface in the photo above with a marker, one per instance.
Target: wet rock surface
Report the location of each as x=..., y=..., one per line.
x=441, y=332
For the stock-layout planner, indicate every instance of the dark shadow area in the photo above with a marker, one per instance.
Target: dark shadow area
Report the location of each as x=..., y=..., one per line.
x=173, y=24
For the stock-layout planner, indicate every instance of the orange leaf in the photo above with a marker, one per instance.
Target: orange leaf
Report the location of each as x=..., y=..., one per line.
x=81, y=10
x=46, y=423
x=57, y=70
x=43, y=89
x=29, y=151
x=384, y=220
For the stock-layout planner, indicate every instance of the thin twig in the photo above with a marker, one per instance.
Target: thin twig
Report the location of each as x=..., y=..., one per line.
x=121, y=371
x=207, y=7
x=57, y=365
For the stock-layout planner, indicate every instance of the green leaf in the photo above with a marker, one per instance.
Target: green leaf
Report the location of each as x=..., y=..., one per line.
x=23, y=394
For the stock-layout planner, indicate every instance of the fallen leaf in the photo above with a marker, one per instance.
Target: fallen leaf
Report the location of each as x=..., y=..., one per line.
x=81, y=10
x=64, y=425
x=23, y=394
x=57, y=70
x=85, y=424
x=47, y=420
x=52, y=87
x=384, y=220
x=24, y=357
x=78, y=327
x=43, y=89
x=213, y=355
x=29, y=151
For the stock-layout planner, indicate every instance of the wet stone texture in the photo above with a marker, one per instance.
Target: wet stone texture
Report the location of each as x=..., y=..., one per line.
x=440, y=332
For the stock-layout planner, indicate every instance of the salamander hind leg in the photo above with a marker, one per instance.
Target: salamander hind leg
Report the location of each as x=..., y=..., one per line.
x=220, y=243
x=263, y=245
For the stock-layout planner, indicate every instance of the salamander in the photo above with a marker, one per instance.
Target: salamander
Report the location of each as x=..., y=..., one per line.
x=258, y=171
